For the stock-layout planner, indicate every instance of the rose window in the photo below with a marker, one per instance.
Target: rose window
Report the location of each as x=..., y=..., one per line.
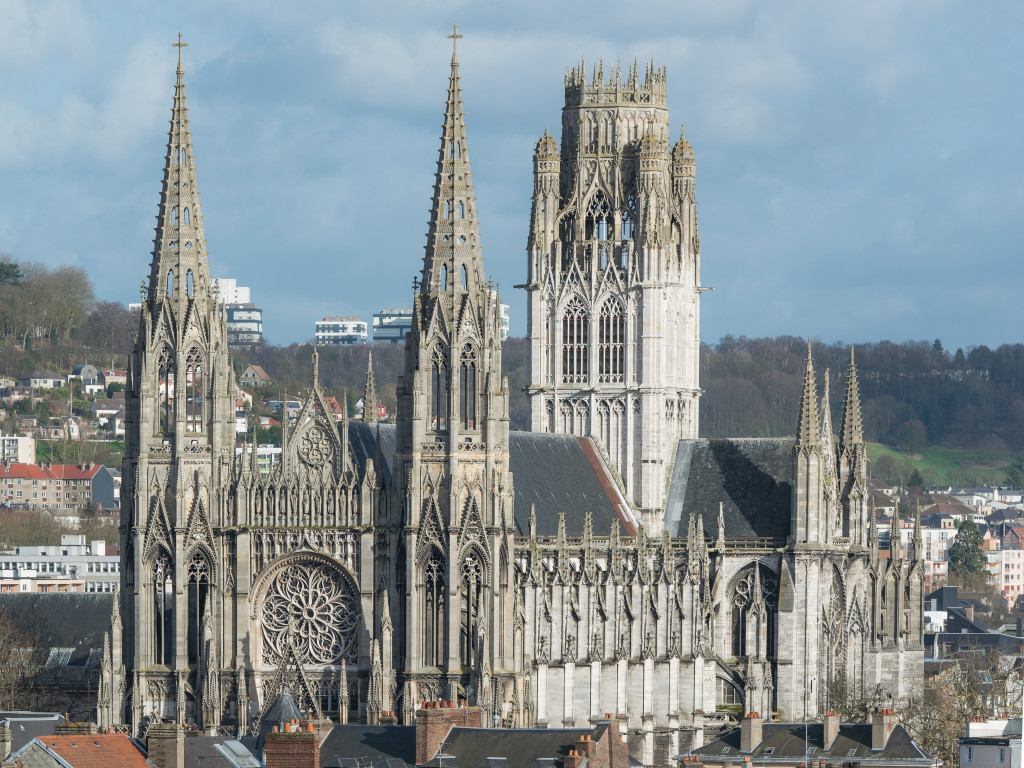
x=315, y=603
x=315, y=446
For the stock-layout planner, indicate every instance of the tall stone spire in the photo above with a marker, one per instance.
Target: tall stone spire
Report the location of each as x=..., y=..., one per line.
x=807, y=426
x=851, y=432
x=369, y=394
x=180, y=265
x=453, y=259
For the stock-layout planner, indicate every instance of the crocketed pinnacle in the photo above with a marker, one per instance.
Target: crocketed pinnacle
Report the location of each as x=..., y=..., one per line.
x=826, y=417
x=180, y=265
x=851, y=432
x=807, y=425
x=369, y=394
x=453, y=259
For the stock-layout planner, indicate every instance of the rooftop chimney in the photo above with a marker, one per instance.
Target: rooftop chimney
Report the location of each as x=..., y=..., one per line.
x=969, y=610
x=433, y=722
x=882, y=723
x=750, y=731
x=298, y=746
x=831, y=728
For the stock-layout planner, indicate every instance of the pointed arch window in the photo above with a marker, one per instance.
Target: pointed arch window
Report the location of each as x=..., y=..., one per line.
x=465, y=276
x=433, y=586
x=462, y=210
x=194, y=391
x=163, y=611
x=198, y=598
x=170, y=282
x=189, y=283
x=166, y=375
x=186, y=218
x=467, y=388
x=742, y=598
x=470, y=606
x=438, y=391
x=575, y=343
x=444, y=277
x=611, y=330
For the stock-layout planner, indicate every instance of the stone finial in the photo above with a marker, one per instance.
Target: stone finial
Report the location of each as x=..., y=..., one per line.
x=851, y=432
x=807, y=436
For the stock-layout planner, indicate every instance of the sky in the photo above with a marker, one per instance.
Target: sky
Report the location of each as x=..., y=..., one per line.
x=859, y=170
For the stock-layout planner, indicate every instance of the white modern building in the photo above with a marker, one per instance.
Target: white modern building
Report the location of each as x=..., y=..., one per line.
x=267, y=456
x=18, y=448
x=992, y=744
x=341, y=330
x=245, y=319
x=83, y=566
x=391, y=324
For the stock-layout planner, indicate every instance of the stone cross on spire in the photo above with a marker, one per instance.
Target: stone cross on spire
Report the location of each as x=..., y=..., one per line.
x=179, y=45
x=454, y=37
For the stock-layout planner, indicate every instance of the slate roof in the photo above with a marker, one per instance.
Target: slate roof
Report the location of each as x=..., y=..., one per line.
x=556, y=473
x=752, y=477
x=62, y=619
x=26, y=726
x=218, y=752
x=390, y=745
x=283, y=710
x=521, y=747
x=786, y=741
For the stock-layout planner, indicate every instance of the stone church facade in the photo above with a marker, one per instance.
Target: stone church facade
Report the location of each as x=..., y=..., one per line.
x=607, y=561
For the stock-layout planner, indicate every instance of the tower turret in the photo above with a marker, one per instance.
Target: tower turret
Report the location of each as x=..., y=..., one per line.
x=852, y=461
x=614, y=279
x=807, y=472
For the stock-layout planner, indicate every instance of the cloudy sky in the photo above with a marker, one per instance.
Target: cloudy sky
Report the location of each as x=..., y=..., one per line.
x=859, y=169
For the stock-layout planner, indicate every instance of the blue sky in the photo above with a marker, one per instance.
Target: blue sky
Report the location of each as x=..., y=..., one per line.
x=859, y=173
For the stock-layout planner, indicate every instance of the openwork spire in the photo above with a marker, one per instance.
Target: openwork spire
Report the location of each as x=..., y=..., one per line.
x=851, y=432
x=453, y=259
x=369, y=394
x=807, y=425
x=180, y=267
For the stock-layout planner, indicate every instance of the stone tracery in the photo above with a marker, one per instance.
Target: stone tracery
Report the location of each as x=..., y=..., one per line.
x=317, y=606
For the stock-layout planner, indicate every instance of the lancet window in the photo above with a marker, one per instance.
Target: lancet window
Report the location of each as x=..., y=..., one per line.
x=575, y=343
x=612, y=342
x=165, y=391
x=163, y=611
x=470, y=608
x=433, y=609
x=742, y=598
x=198, y=596
x=467, y=388
x=438, y=391
x=194, y=392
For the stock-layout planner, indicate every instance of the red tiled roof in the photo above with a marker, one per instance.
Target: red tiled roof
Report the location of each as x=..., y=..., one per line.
x=49, y=472
x=99, y=750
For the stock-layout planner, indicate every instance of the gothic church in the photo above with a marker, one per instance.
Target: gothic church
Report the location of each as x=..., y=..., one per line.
x=607, y=561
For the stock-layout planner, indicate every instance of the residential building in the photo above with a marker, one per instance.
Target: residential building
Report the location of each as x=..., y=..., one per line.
x=64, y=428
x=41, y=379
x=89, y=375
x=340, y=330
x=87, y=749
x=245, y=324
x=19, y=449
x=241, y=418
x=268, y=456
x=228, y=291
x=113, y=376
x=391, y=324
x=102, y=410
x=55, y=486
x=74, y=566
x=254, y=376
x=991, y=743
x=1006, y=571
x=882, y=743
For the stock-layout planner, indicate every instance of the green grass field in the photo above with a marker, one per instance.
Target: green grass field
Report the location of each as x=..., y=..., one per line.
x=944, y=466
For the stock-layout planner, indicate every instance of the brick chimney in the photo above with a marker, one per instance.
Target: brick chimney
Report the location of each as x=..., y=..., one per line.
x=831, y=728
x=165, y=743
x=882, y=723
x=608, y=750
x=750, y=731
x=433, y=722
x=969, y=612
x=298, y=746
